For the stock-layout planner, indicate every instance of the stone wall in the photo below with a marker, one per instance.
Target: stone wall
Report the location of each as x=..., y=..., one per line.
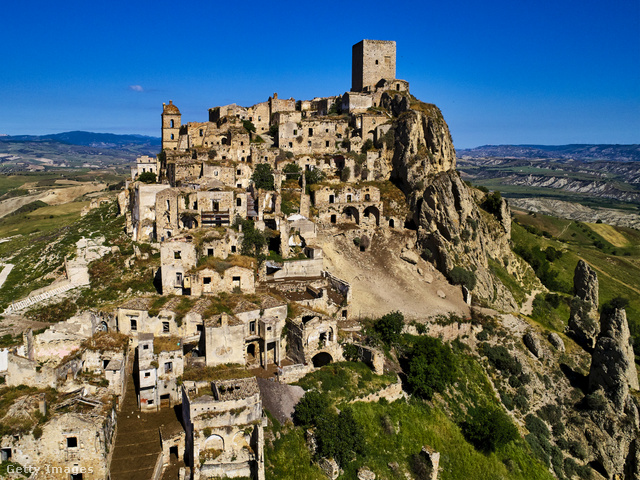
x=372, y=60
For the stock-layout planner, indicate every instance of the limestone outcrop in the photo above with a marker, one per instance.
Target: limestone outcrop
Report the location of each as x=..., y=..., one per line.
x=613, y=367
x=452, y=230
x=583, y=319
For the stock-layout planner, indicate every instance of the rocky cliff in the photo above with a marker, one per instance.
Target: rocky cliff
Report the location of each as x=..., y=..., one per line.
x=452, y=229
x=583, y=319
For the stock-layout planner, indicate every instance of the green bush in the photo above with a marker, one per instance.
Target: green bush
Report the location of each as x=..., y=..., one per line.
x=500, y=358
x=389, y=327
x=310, y=408
x=147, y=177
x=461, y=276
x=489, y=428
x=315, y=175
x=492, y=202
x=292, y=171
x=431, y=367
x=263, y=177
x=339, y=436
x=350, y=352
x=345, y=173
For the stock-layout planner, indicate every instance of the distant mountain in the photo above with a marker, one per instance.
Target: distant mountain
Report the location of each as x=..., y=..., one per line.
x=587, y=153
x=88, y=139
x=74, y=149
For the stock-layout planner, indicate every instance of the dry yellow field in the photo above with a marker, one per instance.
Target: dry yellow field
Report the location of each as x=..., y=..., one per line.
x=609, y=233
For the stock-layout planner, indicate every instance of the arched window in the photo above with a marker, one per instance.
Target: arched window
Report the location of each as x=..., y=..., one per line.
x=171, y=124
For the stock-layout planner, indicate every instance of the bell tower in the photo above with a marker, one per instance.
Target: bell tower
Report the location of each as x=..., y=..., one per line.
x=171, y=118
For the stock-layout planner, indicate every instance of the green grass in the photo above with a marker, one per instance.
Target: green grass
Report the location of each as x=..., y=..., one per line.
x=617, y=274
x=288, y=457
x=40, y=244
x=345, y=381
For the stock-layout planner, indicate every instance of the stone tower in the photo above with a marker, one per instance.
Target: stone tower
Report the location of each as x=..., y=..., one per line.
x=372, y=61
x=170, y=126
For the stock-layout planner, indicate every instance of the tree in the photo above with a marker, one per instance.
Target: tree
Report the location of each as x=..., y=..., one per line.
x=489, y=428
x=310, y=408
x=461, y=276
x=147, y=177
x=345, y=173
x=431, y=367
x=493, y=202
x=292, y=171
x=315, y=175
x=339, y=436
x=263, y=177
x=253, y=240
x=389, y=327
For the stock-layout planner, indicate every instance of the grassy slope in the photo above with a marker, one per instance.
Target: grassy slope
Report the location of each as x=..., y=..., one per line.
x=394, y=432
x=618, y=274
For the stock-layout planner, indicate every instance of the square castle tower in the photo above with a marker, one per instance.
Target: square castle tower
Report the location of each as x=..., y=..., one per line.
x=372, y=61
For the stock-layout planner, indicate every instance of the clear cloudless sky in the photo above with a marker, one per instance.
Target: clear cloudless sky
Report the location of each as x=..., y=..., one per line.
x=502, y=72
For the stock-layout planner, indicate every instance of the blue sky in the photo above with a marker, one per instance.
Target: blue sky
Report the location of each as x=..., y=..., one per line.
x=502, y=72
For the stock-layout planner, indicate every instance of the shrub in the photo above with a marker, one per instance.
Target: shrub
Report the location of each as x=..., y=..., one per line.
x=389, y=326
x=292, y=170
x=310, y=408
x=500, y=358
x=461, y=276
x=488, y=428
x=492, y=202
x=147, y=177
x=345, y=173
x=431, y=367
x=339, y=436
x=37, y=432
x=367, y=145
x=350, y=352
x=263, y=176
x=315, y=175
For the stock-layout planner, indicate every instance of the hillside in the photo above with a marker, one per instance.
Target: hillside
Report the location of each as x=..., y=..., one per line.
x=72, y=149
x=616, y=153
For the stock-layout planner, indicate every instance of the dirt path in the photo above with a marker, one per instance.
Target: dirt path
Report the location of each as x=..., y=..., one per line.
x=527, y=305
x=615, y=279
x=5, y=273
x=564, y=229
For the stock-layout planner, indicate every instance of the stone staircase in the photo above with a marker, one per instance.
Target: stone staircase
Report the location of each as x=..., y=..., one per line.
x=33, y=299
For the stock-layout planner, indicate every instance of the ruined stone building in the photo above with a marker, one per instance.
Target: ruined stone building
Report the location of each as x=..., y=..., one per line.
x=224, y=429
x=157, y=367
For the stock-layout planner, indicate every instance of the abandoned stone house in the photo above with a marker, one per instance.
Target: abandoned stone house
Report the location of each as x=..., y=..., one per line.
x=358, y=205
x=224, y=429
x=144, y=164
x=251, y=336
x=181, y=274
x=158, y=364
x=312, y=338
x=72, y=445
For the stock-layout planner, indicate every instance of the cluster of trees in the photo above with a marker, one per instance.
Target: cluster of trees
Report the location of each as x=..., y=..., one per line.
x=540, y=260
x=338, y=435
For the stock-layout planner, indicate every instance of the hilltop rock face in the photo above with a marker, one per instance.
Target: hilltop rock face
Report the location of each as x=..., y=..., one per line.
x=613, y=367
x=583, y=319
x=452, y=230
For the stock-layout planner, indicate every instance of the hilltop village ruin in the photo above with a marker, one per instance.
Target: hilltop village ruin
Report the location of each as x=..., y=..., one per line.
x=285, y=168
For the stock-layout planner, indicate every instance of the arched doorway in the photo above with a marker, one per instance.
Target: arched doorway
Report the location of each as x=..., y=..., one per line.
x=372, y=211
x=351, y=214
x=321, y=359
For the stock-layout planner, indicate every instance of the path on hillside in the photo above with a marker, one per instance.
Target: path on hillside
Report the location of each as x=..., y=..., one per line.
x=615, y=279
x=527, y=305
x=5, y=272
